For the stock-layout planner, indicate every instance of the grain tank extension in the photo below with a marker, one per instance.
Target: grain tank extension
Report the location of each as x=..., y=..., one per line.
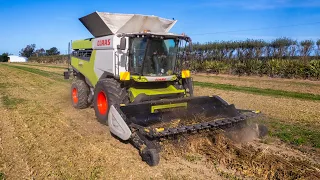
x=134, y=73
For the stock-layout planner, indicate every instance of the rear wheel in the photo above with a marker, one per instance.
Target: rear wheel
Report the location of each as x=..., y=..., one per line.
x=79, y=94
x=108, y=92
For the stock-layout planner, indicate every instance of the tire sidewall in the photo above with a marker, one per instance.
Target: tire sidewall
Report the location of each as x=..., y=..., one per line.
x=83, y=91
x=74, y=85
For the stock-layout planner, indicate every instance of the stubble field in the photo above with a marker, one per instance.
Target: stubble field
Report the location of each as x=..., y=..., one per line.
x=43, y=137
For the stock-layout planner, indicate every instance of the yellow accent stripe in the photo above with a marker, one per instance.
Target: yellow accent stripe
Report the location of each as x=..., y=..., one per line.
x=124, y=76
x=185, y=74
x=159, y=129
x=167, y=106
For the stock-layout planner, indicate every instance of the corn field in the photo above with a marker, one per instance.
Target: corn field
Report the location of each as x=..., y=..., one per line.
x=281, y=48
x=274, y=68
x=282, y=57
x=56, y=59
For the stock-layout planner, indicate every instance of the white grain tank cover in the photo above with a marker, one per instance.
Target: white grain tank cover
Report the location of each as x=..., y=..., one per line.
x=103, y=24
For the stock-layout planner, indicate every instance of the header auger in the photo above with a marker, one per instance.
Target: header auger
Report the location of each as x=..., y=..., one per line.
x=134, y=75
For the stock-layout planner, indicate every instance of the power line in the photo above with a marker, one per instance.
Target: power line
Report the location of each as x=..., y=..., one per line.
x=243, y=30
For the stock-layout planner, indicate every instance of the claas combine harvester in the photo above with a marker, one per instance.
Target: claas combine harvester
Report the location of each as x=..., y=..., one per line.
x=134, y=74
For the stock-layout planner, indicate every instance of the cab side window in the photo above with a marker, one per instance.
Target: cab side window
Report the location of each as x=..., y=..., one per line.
x=82, y=54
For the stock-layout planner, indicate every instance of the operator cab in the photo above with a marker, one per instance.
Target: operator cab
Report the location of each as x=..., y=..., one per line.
x=154, y=55
x=158, y=59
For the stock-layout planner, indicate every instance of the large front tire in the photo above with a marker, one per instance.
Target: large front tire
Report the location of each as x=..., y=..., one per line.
x=108, y=92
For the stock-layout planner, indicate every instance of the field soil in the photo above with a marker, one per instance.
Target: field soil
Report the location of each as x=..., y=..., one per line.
x=55, y=68
x=292, y=85
x=285, y=109
x=43, y=137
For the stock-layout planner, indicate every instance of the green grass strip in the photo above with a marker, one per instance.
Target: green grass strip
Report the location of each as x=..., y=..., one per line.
x=2, y=176
x=11, y=102
x=296, y=133
x=240, y=78
x=52, y=75
x=40, y=65
x=253, y=90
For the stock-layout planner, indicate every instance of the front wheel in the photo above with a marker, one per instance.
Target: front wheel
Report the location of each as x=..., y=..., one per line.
x=108, y=92
x=150, y=156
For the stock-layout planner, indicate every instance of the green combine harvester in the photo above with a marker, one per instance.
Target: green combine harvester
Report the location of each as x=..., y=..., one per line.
x=134, y=74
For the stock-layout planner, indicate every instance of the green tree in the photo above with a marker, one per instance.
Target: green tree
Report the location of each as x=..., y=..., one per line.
x=40, y=52
x=4, y=57
x=281, y=47
x=28, y=50
x=318, y=48
x=306, y=48
x=52, y=51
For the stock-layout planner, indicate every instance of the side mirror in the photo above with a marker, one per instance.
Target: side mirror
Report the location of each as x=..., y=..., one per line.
x=123, y=44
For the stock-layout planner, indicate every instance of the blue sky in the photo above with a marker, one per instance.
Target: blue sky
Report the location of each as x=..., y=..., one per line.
x=54, y=23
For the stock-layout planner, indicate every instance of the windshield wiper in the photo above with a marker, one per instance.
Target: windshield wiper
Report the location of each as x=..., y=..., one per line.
x=144, y=58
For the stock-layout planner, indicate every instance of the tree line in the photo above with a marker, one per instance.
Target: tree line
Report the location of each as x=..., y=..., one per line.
x=30, y=50
x=282, y=57
x=4, y=57
x=280, y=48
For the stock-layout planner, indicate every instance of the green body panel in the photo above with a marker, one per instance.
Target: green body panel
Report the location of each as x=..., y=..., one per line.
x=86, y=67
x=144, y=79
x=149, y=92
x=139, y=78
x=174, y=78
x=82, y=44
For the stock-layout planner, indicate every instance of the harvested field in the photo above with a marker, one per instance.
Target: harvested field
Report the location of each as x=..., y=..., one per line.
x=260, y=78
x=50, y=68
x=52, y=65
x=246, y=160
x=306, y=86
x=290, y=110
x=43, y=137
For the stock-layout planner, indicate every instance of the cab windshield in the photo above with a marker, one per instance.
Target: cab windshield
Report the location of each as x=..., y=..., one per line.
x=160, y=57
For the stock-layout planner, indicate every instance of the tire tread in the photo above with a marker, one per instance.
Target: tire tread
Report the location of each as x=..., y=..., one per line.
x=83, y=93
x=115, y=94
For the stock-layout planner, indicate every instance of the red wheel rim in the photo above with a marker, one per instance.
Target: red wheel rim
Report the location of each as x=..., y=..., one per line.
x=102, y=103
x=75, y=95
